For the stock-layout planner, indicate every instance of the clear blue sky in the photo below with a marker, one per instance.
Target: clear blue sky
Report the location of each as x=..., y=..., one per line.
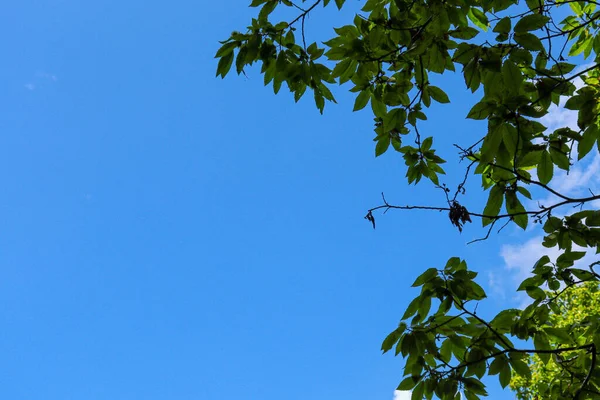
x=169, y=235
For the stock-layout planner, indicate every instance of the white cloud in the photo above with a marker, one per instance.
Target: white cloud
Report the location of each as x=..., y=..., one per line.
x=582, y=178
x=560, y=117
x=497, y=285
x=519, y=260
x=402, y=395
x=406, y=395
x=579, y=178
x=39, y=79
x=46, y=75
x=581, y=181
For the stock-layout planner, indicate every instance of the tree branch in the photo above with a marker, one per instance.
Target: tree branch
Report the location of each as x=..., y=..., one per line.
x=589, y=374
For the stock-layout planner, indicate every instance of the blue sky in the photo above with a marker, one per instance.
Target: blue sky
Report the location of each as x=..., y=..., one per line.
x=169, y=235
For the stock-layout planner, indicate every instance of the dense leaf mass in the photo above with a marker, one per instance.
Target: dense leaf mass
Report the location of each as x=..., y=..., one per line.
x=578, y=304
x=517, y=58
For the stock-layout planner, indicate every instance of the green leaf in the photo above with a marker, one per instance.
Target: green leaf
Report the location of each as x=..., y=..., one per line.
x=582, y=274
x=426, y=145
x=552, y=224
x=394, y=119
x=408, y=383
x=267, y=9
x=576, y=7
x=513, y=79
x=446, y=350
x=379, y=108
x=503, y=26
x=491, y=144
x=585, y=145
x=497, y=365
x=417, y=393
x=553, y=284
x=562, y=68
x=407, y=345
x=544, y=260
x=524, y=192
x=504, y=320
x=382, y=145
x=465, y=32
x=424, y=308
x=571, y=256
x=494, y=203
x=519, y=366
x=475, y=291
x=314, y=51
x=226, y=49
x=438, y=94
x=393, y=337
x=575, y=102
x=480, y=110
x=478, y=18
x=505, y=374
x=256, y=3
x=510, y=139
x=362, y=100
x=470, y=395
x=516, y=209
x=531, y=22
x=541, y=60
x=531, y=282
x=225, y=64
x=534, y=5
x=344, y=70
x=559, y=158
x=478, y=368
x=412, y=308
x=472, y=75
x=559, y=334
x=425, y=277
x=580, y=45
x=535, y=293
x=594, y=219
x=545, y=169
x=474, y=386
x=529, y=41
x=541, y=342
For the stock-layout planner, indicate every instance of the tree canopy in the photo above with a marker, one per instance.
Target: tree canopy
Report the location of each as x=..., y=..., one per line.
x=517, y=58
x=576, y=304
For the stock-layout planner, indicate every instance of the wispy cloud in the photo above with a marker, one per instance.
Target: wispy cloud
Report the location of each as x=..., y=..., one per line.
x=39, y=79
x=560, y=117
x=581, y=181
x=519, y=260
x=497, y=284
x=586, y=175
x=46, y=75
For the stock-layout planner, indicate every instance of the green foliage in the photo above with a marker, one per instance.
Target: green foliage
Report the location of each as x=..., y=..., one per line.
x=577, y=311
x=517, y=59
